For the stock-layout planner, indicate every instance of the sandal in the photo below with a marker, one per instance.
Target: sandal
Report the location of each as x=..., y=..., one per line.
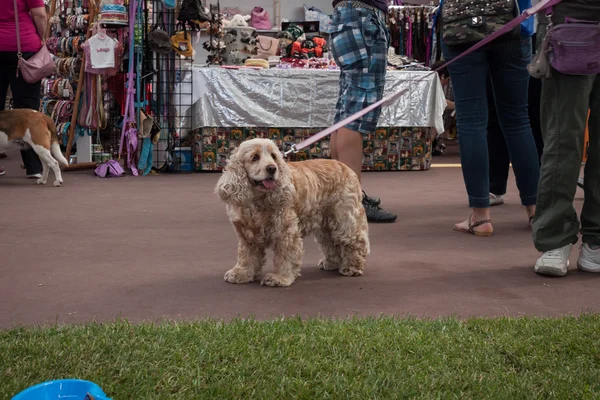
x=473, y=225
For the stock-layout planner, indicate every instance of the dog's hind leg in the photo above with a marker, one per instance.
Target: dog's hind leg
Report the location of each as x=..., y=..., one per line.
x=351, y=233
x=52, y=163
x=45, y=171
x=45, y=157
x=331, y=251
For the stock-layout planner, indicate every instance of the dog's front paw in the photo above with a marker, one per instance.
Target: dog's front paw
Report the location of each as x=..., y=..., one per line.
x=40, y=182
x=275, y=280
x=326, y=265
x=238, y=275
x=56, y=183
x=350, y=271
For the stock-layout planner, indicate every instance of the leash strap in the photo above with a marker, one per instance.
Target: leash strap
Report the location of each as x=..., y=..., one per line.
x=506, y=28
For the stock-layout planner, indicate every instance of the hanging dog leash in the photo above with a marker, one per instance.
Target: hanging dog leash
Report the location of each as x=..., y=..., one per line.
x=526, y=14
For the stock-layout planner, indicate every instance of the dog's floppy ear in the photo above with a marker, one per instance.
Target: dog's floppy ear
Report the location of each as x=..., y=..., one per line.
x=233, y=186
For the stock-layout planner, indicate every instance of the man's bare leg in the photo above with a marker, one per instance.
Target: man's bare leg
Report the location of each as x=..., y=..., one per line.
x=333, y=146
x=349, y=149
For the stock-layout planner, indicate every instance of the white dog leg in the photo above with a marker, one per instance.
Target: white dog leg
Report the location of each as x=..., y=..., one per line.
x=249, y=265
x=45, y=171
x=288, y=260
x=52, y=163
x=45, y=156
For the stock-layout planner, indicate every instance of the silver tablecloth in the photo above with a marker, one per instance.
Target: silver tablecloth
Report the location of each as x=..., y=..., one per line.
x=299, y=98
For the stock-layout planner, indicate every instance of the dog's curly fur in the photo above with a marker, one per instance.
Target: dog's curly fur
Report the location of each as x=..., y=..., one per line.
x=274, y=204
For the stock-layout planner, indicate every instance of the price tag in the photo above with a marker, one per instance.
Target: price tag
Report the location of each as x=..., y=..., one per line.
x=430, y=25
x=65, y=92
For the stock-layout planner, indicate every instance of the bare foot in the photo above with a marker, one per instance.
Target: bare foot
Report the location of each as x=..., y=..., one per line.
x=478, y=227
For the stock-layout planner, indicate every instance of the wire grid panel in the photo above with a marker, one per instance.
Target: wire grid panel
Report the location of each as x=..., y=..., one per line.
x=174, y=150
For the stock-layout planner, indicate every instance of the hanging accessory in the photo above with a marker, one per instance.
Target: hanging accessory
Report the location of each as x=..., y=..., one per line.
x=192, y=11
x=129, y=139
x=182, y=44
x=159, y=40
x=37, y=67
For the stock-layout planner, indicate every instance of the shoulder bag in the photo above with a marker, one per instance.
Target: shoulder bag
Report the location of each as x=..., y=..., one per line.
x=37, y=67
x=466, y=22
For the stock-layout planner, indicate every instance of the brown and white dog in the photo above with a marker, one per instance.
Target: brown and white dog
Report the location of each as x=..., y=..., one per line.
x=26, y=127
x=274, y=204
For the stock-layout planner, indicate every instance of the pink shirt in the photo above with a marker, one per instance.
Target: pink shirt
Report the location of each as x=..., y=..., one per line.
x=30, y=41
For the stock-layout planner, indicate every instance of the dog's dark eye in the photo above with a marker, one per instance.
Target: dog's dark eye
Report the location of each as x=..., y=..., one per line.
x=255, y=158
x=274, y=156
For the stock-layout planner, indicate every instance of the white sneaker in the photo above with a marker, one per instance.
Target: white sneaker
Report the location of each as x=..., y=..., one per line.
x=496, y=200
x=589, y=259
x=554, y=262
x=34, y=176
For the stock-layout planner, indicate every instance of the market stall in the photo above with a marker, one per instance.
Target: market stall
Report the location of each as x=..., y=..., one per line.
x=288, y=105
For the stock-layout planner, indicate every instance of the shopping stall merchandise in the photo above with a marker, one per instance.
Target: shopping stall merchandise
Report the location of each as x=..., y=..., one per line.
x=112, y=94
x=413, y=32
x=283, y=84
x=130, y=89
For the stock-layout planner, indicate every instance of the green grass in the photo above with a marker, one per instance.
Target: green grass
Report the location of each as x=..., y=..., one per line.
x=373, y=358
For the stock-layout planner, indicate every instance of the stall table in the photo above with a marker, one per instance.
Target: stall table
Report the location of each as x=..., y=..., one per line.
x=288, y=105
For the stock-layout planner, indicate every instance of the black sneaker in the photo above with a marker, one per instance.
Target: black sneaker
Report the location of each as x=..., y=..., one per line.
x=371, y=200
x=377, y=214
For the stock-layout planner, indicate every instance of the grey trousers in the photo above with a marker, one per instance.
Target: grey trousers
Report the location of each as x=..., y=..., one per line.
x=565, y=102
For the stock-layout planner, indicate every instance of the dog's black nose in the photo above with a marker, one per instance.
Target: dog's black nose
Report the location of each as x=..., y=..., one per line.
x=271, y=169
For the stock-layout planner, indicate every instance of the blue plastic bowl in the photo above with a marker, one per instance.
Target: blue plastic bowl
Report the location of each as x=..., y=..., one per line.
x=74, y=389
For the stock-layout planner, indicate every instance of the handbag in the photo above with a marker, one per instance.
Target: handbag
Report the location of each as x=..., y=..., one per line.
x=182, y=44
x=574, y=47
x=267, y=47
x=159, y=40
x=260, y=19
x=466, y=22
x=38, y=66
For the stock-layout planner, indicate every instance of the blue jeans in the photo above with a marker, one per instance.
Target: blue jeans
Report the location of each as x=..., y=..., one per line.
x=505, y=61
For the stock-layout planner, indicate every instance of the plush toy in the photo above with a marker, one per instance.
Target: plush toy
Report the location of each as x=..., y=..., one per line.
x=238, y=20
x=288, y=38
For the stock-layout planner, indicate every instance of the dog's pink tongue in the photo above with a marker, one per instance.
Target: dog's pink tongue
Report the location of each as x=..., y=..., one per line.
x=269, y=184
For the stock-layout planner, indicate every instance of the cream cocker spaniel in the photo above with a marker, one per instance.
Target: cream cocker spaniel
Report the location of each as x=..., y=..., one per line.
x=274, y=204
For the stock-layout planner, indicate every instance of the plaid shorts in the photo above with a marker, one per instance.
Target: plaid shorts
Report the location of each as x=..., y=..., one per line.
x=359, y=42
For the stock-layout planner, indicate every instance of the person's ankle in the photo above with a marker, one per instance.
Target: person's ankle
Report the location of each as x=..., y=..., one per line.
x=530, y=210
x=480, y=214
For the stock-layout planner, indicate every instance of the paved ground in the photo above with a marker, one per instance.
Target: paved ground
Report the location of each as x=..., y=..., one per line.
x=156, y=247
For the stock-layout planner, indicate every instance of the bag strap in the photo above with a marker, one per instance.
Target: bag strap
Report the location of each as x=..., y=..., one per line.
x=17, y=26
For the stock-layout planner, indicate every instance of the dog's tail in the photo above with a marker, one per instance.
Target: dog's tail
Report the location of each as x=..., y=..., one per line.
x=54, y=143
